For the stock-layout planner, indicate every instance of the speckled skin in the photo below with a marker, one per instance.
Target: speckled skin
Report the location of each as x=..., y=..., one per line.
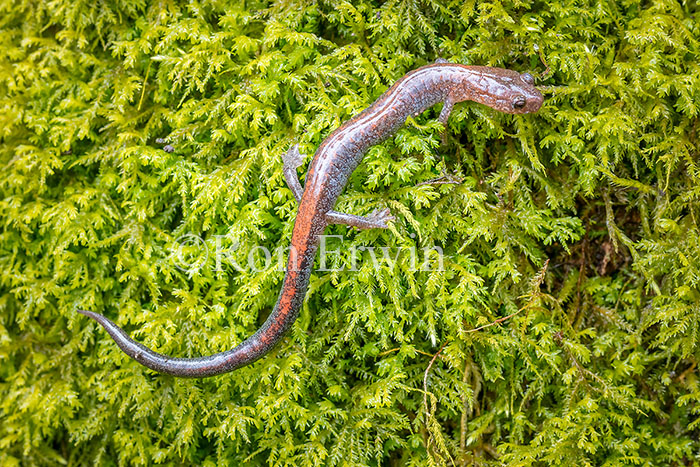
x=336, y=158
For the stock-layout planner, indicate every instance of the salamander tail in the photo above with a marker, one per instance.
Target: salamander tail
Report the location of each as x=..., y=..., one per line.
x=200, y=367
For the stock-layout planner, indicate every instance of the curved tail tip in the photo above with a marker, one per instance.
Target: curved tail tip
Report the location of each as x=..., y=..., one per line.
x=89, y=314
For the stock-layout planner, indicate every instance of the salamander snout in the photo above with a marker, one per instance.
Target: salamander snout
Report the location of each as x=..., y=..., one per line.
x=501, y=89
x=525, y=97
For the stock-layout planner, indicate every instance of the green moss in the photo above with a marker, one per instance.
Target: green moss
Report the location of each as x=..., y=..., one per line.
x=580, y=221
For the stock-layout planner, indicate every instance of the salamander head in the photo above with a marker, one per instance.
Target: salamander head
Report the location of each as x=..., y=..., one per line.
x=524, y=96
x=504, y=90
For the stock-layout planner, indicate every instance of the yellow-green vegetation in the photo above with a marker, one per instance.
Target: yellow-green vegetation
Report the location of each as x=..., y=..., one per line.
x=579, y=224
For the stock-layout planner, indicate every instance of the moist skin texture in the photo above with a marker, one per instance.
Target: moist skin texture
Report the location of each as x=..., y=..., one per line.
x=334, y=161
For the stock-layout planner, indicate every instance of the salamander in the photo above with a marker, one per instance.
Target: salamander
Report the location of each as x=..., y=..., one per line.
x=335, y=159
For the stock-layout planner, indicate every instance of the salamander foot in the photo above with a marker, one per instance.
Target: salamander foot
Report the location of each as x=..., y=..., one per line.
x=293, y=158
x=377, y=219
x=380, y=217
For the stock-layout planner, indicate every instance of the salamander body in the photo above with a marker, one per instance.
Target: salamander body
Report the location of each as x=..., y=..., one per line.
x=334, y=161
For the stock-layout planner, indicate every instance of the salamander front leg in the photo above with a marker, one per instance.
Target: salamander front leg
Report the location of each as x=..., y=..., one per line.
x=292, y=160
x=444, y=116
x=376, y=220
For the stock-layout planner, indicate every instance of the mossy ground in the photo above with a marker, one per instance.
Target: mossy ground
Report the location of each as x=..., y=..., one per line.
x=580, y=221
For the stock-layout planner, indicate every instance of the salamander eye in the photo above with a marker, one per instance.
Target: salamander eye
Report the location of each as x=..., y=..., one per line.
x=527, y=77
x=519, y=102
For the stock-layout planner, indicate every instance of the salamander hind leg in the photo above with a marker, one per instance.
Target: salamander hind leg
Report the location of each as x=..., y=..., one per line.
x=292, y=160
x=377, y=219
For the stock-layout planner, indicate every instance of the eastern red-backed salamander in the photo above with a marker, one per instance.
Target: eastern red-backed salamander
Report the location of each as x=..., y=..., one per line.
x=336, y=158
